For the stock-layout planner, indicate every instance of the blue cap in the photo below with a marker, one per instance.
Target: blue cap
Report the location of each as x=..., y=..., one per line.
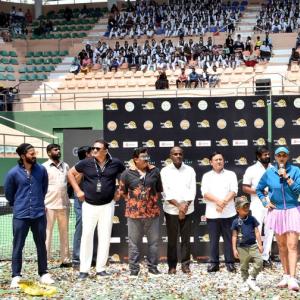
x=282, y=149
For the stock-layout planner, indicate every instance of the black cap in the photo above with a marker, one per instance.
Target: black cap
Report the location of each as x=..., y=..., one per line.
x=23, y=148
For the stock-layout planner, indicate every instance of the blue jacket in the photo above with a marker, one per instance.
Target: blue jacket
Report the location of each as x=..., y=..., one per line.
x=281, y=194
x=26, y=193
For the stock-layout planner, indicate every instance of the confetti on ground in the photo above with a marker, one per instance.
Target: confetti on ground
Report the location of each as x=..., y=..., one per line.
x=198, y=285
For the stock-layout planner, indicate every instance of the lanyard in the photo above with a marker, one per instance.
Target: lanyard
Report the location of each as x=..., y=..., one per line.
x=97, y=170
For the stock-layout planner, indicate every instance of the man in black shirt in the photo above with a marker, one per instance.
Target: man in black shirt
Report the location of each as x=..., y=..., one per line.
x=99, y=188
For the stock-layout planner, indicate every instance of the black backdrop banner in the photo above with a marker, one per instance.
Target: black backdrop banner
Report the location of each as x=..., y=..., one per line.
x=235, y=126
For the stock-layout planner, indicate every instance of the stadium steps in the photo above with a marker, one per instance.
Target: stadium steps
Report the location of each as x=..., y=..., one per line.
x=280, y=57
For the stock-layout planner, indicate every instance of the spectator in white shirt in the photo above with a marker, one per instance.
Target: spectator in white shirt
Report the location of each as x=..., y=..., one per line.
x=179, y=185
x=57, y=202
x=219, y=187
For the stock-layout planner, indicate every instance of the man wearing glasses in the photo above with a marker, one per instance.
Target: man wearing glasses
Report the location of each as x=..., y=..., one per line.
x=141, y=185
x=99, y=189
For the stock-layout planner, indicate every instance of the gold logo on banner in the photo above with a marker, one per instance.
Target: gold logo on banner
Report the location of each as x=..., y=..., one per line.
x=240, y=123
x=112, y=125
x=186, y=143
x=129, y=163
x=280, y=103
x=222, y=104
x=203, y=162
x=259, y=123
x=259, y=142
x=296, y=122
x=279, y=123
x=149, y=144
x=116, y=220
x=184, y=105
x=148, y=106
x=205, y=238
x=166, y=106
x=280, y=142
x=297, y=102
x=114, y=144
x=129, y=106
x=296, y=160
x=130, y=125
x=115, y=258
x=184, y=124
x=202, y=105
x=239, y=104
x=221, y=124
x=167, y=124
x=166, y=162
x=112, y=106
x=148, y=125
x=259, y=103
x=223, y=142
x=242, y=161
x=203, y=124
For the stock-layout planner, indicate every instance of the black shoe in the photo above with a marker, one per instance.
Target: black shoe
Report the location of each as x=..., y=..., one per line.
x=154, y=272
x=76, y=266
x=134, y=273
x=83, y=276
x=102, y=274
x=172, y=271
x=65, y=265
x=93, y=263
x=267, y=263
x=186, y=269
x=213, y=268
x=230, y=268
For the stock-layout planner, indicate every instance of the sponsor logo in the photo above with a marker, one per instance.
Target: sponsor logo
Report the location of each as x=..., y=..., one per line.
x=115, y=258
x=203, y=143
x=296, y=122
x=116, y=220
x=239, y=104
x=167, y=124
x=184, y=124
x=133, y=144
x=130, y=125
x=221, y=104
x=259, y=142
x=203, y=220
x=203, y=124
x=203, y=162
x=221, y=124
x=202, y=105
x=166, y=162
x=204, y=238
x=280, y=142
x=185, y=143
x=240, y=123
x=149, y=144
x=184, y=105
x=129, y=106
x=111, y=106
x=297, y=102
x=114, y=144
x=242, y=161
x=166, y=143
x=279, y=123
x=259, y=103
x=239, y=142
x=164, y=239
x=166, y=106
x=148, y=125
x=295, y=141
x=280, y=103
x=222, y=143
x=258, y=123
x=112, y=125
x=148, y=106
x=296, y=160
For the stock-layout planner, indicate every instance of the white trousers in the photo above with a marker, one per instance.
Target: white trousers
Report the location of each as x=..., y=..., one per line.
x=260, y=213
x=93, y=215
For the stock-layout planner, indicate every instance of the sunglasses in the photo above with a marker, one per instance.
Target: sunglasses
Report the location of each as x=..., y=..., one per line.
x=97, y=148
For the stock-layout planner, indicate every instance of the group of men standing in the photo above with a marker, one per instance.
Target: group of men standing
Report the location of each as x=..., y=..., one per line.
x=39, y=197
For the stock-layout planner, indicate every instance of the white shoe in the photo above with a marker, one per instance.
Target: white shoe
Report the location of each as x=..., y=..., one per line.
x=15, y=282
x=46, y=279
x=244, y=287
x=252, y=284
x=293, y=284
x=284, y=281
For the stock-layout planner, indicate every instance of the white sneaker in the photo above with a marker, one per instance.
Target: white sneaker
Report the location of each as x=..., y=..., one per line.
x=252, y=284
x=284, y=281
x=15, y=282
x=293, y=284
x=245, y=287
x=46, y=279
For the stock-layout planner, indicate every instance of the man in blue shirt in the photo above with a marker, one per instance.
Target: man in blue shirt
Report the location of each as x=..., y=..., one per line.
x=25, y=188
x=193, y=77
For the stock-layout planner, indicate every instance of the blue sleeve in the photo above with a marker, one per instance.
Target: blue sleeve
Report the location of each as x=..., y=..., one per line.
x=261, y=186
x=234, y=225
x=255, y=222
x=79, y=167
x=45, y=181
x=295, y=186
x=10, y=188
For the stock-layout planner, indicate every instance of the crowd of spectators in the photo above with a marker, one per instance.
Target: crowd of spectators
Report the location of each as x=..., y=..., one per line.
x=278, y=16
x=180, y=18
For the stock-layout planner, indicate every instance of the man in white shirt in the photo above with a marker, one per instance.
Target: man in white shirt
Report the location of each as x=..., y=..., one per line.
x=250, y=181
x=57, y=202
x=179, y=185
x=219, y=187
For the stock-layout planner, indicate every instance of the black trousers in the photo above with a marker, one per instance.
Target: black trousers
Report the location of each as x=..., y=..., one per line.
x=177, y=227
x=216, y=228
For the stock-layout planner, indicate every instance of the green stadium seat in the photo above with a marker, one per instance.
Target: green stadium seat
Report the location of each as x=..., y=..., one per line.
x=64, y=53
x=32, y=77
x=2, y=76
x=13, y=54
x=39, y=69
x=31, y=69
x=4, y=53
x=55, y=53
x=13, y=61
x=48, y=61
x=75, y=35
x=2, y=68
x=39, y=61
x=38, y=54
x=23, y=70
x=30, y=61
x=23, y=77
x=41, y=77
x=57, y=60
x=10, y=77
x=66, y=36
x=4, y=60
x=29, y=54
x=10, y=69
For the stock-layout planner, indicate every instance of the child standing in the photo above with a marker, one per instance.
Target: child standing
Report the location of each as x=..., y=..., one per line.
x=246, y=243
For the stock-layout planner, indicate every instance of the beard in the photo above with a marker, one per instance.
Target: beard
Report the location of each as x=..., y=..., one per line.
x=56, y=156
x=265, y=161
x=31, y=160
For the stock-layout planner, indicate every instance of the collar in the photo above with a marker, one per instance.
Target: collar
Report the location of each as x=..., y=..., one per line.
x=222, y=171
x=173, y=166
x=52, y=163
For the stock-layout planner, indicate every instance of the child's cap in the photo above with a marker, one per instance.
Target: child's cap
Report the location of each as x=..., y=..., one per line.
x=241, y=201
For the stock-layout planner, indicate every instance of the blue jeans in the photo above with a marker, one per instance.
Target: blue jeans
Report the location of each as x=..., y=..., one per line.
x=136, y=229
x=20, y=231
x=78, y=233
